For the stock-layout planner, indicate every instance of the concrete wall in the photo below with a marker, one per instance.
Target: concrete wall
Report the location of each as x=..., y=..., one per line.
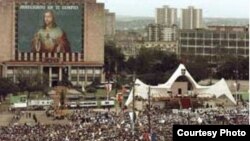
x=94, y=32
x=7, y=28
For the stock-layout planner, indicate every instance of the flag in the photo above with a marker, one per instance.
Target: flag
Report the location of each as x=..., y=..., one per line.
x=119, y=97
x=108, y=87
x=133, y=116
x=146, y=137
x=83, y=89
x=237, y=86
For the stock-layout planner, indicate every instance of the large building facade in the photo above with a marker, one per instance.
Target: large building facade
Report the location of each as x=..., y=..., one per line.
x=191, y=18
x=59, y=38
x=161, y=33
x=166, y=16
x=214, y=41
x=129, y=42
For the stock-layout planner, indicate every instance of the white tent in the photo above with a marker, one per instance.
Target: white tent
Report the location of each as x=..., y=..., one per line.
x=218, y=89
x=141, y=90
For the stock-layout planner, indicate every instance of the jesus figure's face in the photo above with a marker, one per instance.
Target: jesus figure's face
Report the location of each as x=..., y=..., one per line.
x=48, y=19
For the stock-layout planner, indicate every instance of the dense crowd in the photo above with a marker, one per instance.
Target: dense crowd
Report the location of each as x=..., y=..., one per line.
x=88, y=125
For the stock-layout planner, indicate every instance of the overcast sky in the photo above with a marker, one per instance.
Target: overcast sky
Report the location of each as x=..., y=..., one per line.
x=211, y=8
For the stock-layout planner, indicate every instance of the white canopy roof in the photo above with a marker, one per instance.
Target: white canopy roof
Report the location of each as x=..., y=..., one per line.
x=180, y=71
x=218, y=89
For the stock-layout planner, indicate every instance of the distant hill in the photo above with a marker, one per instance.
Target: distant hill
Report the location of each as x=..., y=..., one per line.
x=226, y=21
x=131, y=18
x=130, y=22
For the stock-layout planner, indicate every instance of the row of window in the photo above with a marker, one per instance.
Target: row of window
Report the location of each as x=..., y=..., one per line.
x=90, y=78
x=215, y=42
x=215, y=35
x=26, y=70
x=74, y=70
x=87, y=71
x=80, y=77
x=214, y=51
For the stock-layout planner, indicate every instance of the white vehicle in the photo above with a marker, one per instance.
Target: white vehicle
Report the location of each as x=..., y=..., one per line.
x=108, y=103
x=88, y=104
x=72, y=104
x=40, y=102
x=18, y=105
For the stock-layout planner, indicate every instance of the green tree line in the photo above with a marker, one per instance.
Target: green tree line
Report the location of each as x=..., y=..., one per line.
x=154, y=66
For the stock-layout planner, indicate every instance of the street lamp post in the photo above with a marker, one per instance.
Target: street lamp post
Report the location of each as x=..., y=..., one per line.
x=237, y=71
x=109, y=75
x=149, y=106
x=236, y=84
x=211, y=67
x=218, y=56
x=133, y=125
x=134, y=84
x=116, y=78
x=134, y=93
x=133, y=106
x=133, y=113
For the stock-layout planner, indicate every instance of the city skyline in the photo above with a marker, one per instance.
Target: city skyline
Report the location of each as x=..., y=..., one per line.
x=211, y=8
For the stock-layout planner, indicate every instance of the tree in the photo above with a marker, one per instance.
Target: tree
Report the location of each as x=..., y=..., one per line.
x=130, y=65
x=65, y=81
x=120, y=81
x=32, y=82
x=114, y=59
x=244, y=68
x=62, y=98
x=152, y=78
x=6, y=87
x=198, y=67
x=226, y=70
x=152, y=65
x=230, y=66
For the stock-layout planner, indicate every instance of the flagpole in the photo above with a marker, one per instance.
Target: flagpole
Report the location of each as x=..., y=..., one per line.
x=133, y=106
x=109, y=74
x=133, y=125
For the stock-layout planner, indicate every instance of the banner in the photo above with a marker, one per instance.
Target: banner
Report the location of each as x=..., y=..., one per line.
x=50, y=28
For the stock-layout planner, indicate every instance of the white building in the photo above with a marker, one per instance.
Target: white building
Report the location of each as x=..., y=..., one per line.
x=166, y=16
x=159, y=32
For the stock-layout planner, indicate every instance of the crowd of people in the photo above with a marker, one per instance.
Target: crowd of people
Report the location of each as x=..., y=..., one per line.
x=89, y=125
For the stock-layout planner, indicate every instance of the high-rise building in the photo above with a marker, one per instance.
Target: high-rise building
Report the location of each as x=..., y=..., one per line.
x=166, y=16
x=191, y=18
x=109, y=23
x=161, y=33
